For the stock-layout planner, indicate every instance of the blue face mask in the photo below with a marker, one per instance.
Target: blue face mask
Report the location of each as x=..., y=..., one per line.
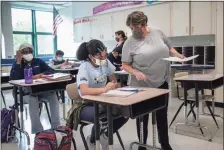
x=59, y=58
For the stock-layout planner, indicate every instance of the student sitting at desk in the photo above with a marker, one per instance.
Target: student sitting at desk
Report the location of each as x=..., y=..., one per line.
x=57, y=62
x=24, y=57
x=91, y=80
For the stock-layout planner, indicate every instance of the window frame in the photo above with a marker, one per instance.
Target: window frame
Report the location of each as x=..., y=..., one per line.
x=34, y=33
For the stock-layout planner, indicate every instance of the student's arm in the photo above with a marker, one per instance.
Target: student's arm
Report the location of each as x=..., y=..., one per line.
x=16, y=72
x=51, y=64
x=85, y=90
x=45, y=69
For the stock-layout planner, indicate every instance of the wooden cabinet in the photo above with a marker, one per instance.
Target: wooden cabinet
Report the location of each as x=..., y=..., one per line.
x=180, y=19
x=201, y=18
x=158, y=16
x=96, y=30
x=105, y=23
x=118, y=22
x=78, y=35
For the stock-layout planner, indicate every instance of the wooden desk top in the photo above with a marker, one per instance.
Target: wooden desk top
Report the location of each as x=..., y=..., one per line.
x=68, y=69
x=5, y=74
x=121, y=72
x=199, y=77
x=147, y=94
x=35, y=82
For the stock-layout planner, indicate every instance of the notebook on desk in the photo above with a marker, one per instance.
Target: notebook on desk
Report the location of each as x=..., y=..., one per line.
x=57, y=76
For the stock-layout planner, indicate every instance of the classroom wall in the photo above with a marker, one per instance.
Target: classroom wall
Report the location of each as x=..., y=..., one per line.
x=6, y=26
x=65, y=37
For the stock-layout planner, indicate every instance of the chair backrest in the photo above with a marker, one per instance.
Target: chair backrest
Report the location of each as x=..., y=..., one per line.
x=178, y=84
x=72, y=91
x=180, y=74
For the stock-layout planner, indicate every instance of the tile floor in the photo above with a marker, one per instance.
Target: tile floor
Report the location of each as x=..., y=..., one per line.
x=178, y=141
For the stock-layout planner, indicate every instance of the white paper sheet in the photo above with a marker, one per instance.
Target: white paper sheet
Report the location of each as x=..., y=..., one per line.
x=118, y=93
x=176, y=59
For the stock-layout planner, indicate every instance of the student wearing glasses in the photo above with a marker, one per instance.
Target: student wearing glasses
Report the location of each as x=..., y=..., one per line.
x=92, y=80
x=24, y=57
x=142, y=57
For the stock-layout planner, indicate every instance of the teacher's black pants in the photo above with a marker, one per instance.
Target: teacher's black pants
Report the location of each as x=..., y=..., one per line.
x=162, y=124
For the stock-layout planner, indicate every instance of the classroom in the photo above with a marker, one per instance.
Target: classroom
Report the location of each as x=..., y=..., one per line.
x=112, y=75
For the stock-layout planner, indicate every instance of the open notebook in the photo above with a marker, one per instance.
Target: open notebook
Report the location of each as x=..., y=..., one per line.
x=57, y=76
x=118, y=93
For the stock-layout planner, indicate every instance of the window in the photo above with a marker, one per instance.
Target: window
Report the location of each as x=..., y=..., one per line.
x=44, y=21
x=21, y=20
x=34, y=27
x=45, y=44
x=19, y=39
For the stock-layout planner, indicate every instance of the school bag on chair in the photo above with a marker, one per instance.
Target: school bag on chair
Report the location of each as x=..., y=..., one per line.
x=59, y=138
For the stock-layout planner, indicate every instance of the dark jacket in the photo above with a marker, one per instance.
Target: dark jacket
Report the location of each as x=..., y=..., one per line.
x=115, y=61
x=38, y=66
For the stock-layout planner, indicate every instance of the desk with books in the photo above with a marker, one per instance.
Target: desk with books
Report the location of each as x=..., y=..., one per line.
x=38, y=86
x=128, y=107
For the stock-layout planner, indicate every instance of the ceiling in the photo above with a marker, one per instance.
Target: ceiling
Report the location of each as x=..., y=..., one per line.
x=41, y=5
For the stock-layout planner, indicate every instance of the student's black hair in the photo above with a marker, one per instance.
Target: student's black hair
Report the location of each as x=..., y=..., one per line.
x=59, y=52
x=120, y=32
x=92, y=47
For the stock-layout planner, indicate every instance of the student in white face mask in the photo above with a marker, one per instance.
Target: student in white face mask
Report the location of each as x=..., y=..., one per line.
x=24, y=57
x=92, y=80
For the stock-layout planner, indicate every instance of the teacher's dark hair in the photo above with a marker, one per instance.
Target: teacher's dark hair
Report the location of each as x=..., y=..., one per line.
x=120, y=32
x=92, y=47
x=136, y=18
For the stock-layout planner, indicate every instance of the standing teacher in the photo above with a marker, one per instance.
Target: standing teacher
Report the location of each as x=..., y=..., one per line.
x=142, y=57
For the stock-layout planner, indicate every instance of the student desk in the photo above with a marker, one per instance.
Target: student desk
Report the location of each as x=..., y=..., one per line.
x=72, y=71
x=5, y=77
x=199, y=82
x=35, y=88
x=129, y=106
x=122, y=75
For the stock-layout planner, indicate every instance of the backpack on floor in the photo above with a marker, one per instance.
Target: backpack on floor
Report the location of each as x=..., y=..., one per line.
x=7, y=124
x=60, y=138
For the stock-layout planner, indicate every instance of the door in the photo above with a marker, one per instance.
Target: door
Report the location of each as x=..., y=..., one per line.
x=180, y=19
x=201, y=18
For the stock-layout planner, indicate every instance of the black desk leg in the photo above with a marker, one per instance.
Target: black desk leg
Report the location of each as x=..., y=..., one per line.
x=16, y=105
x=197, y=104
x=185, y=104
x=62, y=92
x=213, y=102
x=97, y=126
x=110, y=126
x=21, y=106
x=122, y=80
x=154, y=129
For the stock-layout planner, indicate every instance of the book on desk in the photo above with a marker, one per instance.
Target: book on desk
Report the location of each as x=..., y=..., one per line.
x=122, y=92
x=57, y=76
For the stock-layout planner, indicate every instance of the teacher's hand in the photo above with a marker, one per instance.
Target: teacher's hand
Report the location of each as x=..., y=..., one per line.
x=181, y=56
x=140, y=76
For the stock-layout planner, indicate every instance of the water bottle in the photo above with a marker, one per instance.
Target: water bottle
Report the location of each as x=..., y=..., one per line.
x=28, y=75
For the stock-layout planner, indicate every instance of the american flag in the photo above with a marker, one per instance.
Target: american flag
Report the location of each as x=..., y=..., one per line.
x=57, y=21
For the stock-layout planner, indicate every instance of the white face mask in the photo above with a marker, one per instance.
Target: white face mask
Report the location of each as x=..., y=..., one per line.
x=100, y=62
x=28, y=57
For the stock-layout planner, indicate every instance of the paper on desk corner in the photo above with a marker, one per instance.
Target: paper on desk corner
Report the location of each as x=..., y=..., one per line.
x=176, y=59
x=118, y=93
